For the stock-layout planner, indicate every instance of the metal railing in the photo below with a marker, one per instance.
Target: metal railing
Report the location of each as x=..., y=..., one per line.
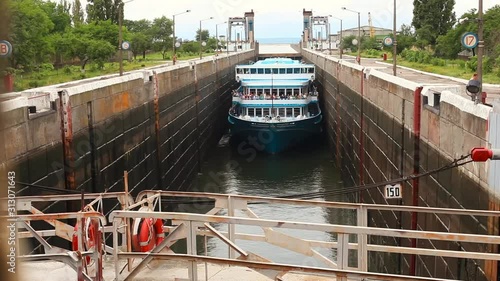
x=190, y=226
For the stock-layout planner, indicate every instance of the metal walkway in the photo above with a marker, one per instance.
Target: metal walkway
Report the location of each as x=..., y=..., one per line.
x=350, y=245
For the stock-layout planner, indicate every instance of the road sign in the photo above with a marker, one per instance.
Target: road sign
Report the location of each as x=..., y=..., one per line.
x=388, y=41
x=177, y=44
x=125, y=45
x=338, y=41
x=203, y=43
x=393, y=191
x=469, y=40
x=355, y=42
x=5, y=48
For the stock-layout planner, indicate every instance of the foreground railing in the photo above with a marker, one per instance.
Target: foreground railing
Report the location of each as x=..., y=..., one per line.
x=349, y=245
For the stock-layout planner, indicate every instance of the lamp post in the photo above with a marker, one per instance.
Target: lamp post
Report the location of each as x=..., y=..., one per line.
x=480, y=48
x=394, y=43
x=173, y=35
x=201, y=53
x=217, y=34
x=120, y=34
x=359, y=32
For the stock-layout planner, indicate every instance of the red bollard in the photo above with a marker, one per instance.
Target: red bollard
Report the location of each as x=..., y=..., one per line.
x=8, y=83
x=384, y=56
x=483, y=97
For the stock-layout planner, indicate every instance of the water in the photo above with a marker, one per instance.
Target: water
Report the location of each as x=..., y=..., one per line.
x=306, y=169
x=286, y=40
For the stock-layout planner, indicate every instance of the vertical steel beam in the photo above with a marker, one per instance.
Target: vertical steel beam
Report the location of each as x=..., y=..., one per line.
x=156, y=101
x=417, y=106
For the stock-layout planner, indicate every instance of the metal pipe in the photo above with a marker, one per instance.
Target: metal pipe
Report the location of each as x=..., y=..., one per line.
x=416, y=170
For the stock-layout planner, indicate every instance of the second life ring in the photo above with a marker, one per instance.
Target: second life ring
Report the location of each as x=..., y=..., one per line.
x=147, y=233
x=89, y=236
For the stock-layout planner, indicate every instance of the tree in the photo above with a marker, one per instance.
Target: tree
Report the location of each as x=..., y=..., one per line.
x=30, y=25
x=406, y=38
x=449, y=45
x=141, y=37
x=204, y=35
x=161, y=32
x=432, y=18
x=140, y=43
x=59, y=14
x=103, y=10
x=77, y=13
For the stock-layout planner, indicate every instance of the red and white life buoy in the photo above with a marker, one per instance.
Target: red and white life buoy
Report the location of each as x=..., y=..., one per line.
x=89, y=235
x=146, y=233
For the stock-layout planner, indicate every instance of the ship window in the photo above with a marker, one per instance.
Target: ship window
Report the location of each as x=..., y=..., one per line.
x=311, y=70
x=281, y=112
x=282, y=71
x=289, y=70
x=268, y=71
x=253, y=70
x=296, y=112
x=296, y=70
x=239, y=70
x=275, y=70
x=259, y=112
x=260, y=71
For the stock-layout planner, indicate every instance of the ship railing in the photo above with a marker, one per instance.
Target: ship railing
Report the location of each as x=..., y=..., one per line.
x=351, y=244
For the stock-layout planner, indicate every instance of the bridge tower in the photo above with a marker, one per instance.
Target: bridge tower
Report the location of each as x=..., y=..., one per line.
x=307, y=30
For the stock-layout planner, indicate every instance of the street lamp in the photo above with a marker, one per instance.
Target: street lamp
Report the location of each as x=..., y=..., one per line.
x=120, y=34
x=174, y=57
x=201, y=53
x=340, y=48
x=217, y=34
x=359, y=32
x=394, y=43
x=480, y=48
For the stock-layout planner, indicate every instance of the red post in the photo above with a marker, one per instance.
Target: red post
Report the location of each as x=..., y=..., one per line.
x=8, y=82
x=483, y=97
x=417, y=107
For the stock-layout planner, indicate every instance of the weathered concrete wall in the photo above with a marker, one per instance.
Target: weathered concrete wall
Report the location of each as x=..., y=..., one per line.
x=449, y=129
x=111, y=127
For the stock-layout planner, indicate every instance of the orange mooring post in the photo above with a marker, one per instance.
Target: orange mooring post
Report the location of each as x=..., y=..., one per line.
x=417, y=107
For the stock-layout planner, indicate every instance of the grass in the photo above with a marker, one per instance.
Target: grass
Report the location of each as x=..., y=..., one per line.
x=452, y=69
x=72, y=73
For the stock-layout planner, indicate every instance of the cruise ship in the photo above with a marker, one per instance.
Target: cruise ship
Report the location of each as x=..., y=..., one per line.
x=276, y=105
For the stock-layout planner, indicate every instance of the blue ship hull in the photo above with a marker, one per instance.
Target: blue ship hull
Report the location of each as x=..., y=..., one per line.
x=272, y=137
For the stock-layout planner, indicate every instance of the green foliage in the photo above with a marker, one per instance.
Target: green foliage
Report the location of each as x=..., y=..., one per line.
x=417, y=56
x=77, y=13
x=204, y=35
x=488, y=64
x=432, y=18
x=104, y=10
x=161, y=33
x=471, y=64
x=30, y=24
x=190, y=47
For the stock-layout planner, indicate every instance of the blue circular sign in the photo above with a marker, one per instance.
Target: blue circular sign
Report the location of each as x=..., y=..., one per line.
x=470, y=40
x=387, y=41
x=5, y=48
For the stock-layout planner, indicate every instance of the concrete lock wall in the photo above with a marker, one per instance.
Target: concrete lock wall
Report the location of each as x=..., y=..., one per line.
x=108, y=125
x=450, y=127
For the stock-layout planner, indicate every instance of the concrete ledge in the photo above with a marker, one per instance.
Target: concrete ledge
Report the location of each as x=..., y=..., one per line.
x=465, y=105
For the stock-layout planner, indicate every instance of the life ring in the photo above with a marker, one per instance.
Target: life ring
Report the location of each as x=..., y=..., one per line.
x=147, y=233
x=88, y=237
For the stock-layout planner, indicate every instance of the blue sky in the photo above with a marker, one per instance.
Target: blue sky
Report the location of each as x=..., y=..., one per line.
x=278, y=18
